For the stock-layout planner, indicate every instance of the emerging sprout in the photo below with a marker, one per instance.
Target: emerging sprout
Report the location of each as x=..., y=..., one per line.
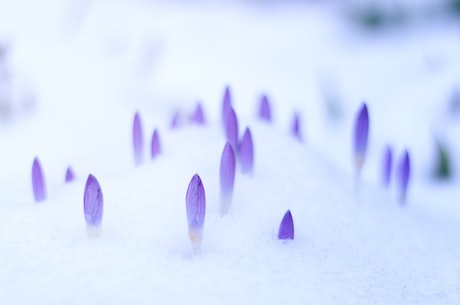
x=69, y=175
x=286, y=230
x=443, y=163
x=296, y=127
x=175, y=120
x=195, y=205
x=155, y=145
x=231, y=128
x=361, y=136
x=387, y=164
x=247, y=152
x=264, y=111
x=226, y=104
x=138, y=140
x=227, y=178
x=38, y=181
x=93, y=206
x=404, y=175
x=198, y=116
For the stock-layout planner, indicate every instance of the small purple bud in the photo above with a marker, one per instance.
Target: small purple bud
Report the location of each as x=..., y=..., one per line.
x=175, y=120
x=137, y=139
x=286, y=230
x=226, y=104
x=296, y=127
x=93, y=204
x=69, y=175
x=156, y=146
x=231, y=128
x=247, y=152
x=264, y=111
x=404, y=175
x=361, y=136
x=38, y=181
x=387, y=164
x=227, y=177
x=195, y=205
x=198, y=115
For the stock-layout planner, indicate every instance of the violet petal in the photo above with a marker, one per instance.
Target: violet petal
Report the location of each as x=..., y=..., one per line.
x=138, y=139
x=198, y=115
x=361, y=136
x=246, y=152
x=286, y=230
x=264, y=110
x=387, y=165
x=38, y=181
x=93, y=205
x=175, y=120
x=195, y=205
x=404, y=175
x=69, y=175
x=226, y=104
x=155, y=146
x=227, y=177
x=231, y=128
x=296, y=127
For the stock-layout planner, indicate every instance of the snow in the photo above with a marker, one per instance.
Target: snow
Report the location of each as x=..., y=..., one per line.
x=89, y=72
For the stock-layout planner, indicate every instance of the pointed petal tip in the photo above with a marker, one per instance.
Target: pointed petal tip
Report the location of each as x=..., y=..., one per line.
x=138, y=141
x=93, y=202
x=195, y=205
x=265, y=109
x=286, y=229
x=198, y=115
x=69, y=175
x=296, y=129
x=404, y=176
x=38, y=181
x=155, y=147
x=246, y=152
x=361, y=134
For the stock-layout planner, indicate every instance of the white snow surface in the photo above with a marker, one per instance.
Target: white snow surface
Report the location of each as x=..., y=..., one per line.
x=91, y=65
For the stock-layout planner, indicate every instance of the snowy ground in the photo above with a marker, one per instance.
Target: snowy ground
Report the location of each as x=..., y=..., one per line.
x=90, y=71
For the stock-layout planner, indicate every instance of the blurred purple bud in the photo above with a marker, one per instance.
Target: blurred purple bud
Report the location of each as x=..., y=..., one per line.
x=38, y=181
x=175, y=120
x=137, y=139
x=231, y=128
x=286, y=230
x=247, y=152
x=404, y=175
x=387, y=164
x=361, y=136
x=226, y=104
x=227, y=177
x=69, y=175
x=296, y=127
x=195, y=205
x=198, y=115
x=93, y=204
x=264, y=110
x=155, y=146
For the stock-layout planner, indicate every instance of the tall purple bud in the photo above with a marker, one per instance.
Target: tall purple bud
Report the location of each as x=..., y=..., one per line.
x=195, y=205
x=138, y=139
x=404, y=175
x=231, y=128
x=286, y=230
x=296, y=132
x=227, y=178
x=198, y=116
x=69, y=175
x=38, y=181
x=247, y=152
x=387, y=164
x=264, y=111
x=361, y=136
x=155, y=146
x=93, y=206
x=226, y=104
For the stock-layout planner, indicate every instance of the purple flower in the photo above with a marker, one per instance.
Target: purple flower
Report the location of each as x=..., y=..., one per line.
x=231, y=128
x=198, y=115
x=155, y=146
x=227, y=177
x=264, y=110
x=361, y=136
x=387, y=164
x=138, y=143
x=195, y=205
x=246, y=152
x=404, y=175
x=69, y=175
x=286, y=230
x=296, y=127
x=226, y=104
x=93, y=205
x=38, y=181
x=175, y=120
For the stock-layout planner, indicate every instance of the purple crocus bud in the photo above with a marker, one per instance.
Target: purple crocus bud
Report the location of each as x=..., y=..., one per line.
x=264, y=111
x=195, y=205
x=156, y=146
x=387, y=164
x=69, y=175
x=286, y=230
x=361, y=136
x=38, y=181
x=93, y=205
x=175, y=120
x=247, y=152
x=296, y=127
x=198, y=115
x=227, y=177
x=231, y=128
x=226, y=104
x=404, y=175
x=138, y=140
